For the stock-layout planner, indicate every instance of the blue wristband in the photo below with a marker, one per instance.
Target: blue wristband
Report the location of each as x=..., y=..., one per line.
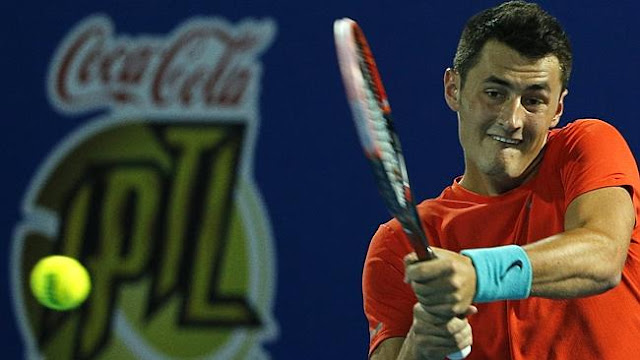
x=502, y=273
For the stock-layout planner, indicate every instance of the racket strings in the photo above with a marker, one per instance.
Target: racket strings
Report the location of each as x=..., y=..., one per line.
x=387, y=144
x=374, y=80
x=385, y=148
x=379, y=123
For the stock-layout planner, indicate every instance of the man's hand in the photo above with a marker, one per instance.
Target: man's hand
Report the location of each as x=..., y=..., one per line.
x=445, y=286
x=434, y=337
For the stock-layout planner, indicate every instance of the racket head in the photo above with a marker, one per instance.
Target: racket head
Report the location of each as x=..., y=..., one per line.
x=372, y=116
x=365, y=92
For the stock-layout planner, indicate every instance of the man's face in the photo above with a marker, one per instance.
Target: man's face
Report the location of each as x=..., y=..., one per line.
x=504, y=111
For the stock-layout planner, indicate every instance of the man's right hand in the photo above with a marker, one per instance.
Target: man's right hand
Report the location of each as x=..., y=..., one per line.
x=434, y=337
x=430, y=337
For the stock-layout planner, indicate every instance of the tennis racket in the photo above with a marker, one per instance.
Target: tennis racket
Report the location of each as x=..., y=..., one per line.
x=374, y=124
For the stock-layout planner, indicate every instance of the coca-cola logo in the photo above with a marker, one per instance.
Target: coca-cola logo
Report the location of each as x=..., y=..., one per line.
x=202, y=64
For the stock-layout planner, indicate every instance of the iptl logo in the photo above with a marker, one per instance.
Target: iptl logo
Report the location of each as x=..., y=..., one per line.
x=151, y=207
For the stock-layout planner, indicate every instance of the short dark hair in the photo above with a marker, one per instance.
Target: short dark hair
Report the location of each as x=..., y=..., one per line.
x=524, y=27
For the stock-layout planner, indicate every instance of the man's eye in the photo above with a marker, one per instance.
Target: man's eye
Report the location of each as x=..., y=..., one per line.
x=533, y=102
x=493, y=94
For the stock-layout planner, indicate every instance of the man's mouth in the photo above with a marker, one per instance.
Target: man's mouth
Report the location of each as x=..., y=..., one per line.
x=505, y=140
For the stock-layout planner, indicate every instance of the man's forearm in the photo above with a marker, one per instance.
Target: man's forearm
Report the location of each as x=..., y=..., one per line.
x=588, y=257
x=575, y=263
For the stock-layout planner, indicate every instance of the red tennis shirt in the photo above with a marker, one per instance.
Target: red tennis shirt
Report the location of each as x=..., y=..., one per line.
x=582, y=156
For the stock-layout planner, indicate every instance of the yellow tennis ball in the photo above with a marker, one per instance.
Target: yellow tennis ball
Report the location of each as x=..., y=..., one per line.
x=60, y=282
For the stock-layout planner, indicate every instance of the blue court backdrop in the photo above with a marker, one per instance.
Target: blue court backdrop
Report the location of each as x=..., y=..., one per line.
x=240, y=103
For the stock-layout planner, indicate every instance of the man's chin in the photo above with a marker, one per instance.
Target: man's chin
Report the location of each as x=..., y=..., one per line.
x=506, y=172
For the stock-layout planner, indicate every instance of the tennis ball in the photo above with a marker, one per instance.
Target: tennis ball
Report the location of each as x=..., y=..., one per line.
x=60, y=282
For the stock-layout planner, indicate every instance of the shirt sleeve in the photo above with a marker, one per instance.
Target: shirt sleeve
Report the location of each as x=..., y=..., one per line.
x=597, y=156
x=388, y=300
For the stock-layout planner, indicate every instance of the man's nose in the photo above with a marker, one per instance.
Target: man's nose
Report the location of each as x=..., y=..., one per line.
x=512, y=114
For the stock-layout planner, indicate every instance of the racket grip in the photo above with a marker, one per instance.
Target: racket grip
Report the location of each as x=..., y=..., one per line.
x=459, y=355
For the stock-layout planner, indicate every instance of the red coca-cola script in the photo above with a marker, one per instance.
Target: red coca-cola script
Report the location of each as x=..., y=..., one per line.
x=201, y=65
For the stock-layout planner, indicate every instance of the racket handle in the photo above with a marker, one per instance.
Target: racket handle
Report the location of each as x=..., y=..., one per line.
x=459, y=355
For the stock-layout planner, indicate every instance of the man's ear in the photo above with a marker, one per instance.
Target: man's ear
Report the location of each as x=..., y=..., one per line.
x=452, y=89
x=559, y=109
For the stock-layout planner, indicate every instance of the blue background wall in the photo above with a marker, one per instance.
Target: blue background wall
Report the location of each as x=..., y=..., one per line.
x=321, y=199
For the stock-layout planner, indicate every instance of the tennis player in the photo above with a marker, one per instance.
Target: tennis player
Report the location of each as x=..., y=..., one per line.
x=540, y=232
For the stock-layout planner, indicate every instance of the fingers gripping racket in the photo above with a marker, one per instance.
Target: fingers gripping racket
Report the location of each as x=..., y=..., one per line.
x=372, y=116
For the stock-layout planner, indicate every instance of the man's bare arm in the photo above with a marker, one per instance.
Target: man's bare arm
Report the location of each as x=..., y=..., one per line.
x=588, y=257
